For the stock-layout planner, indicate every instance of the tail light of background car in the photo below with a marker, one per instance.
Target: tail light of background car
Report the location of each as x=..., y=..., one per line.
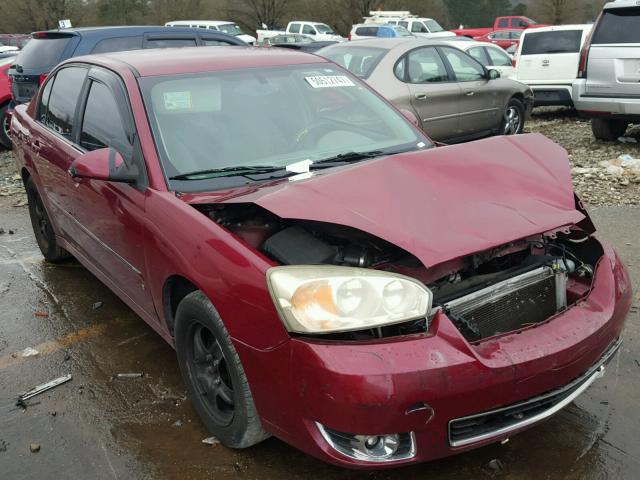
x=584, y=53
x=349, y=36
x=42, y=78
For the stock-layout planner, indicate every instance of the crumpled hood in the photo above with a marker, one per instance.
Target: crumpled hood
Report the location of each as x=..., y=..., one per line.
x=438, y=204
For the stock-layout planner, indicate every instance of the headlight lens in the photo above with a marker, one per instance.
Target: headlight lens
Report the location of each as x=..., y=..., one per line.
x=329, y=299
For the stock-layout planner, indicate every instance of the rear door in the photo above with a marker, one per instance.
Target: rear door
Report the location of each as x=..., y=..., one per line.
x=550, y=57
x=433, y=94
x=613, y=67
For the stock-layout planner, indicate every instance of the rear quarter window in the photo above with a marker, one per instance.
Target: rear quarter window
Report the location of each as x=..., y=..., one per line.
x=118, y=44
x=367, y=31
x=170, y=42
x=43, y=53
x=618, y=25
x=559, y=41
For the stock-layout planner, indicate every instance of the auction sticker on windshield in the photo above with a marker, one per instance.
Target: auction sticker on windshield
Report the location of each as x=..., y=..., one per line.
x=326, y=81
x=177, y=100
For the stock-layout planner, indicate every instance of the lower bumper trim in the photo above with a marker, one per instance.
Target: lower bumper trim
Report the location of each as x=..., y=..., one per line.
x=503, y=421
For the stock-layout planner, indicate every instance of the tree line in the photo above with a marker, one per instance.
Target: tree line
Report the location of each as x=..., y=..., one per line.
x=24, y=16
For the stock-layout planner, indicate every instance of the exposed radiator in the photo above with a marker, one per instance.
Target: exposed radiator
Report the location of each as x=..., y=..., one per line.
x=509, y=305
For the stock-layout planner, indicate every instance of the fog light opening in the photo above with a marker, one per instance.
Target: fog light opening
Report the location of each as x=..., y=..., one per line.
x=371, y=448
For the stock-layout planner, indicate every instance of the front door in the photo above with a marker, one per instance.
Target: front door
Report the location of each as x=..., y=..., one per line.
x=480, y=103
x=112, y=214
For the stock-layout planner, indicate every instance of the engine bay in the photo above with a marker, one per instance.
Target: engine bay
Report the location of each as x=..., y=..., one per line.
x=486, y=294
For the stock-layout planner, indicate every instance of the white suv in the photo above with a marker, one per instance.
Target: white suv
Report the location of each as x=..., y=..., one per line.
x=547, y=61
x=608, y=84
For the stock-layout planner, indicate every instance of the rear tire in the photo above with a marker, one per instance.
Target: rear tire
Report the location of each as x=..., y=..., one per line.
x=5, y=140
x=212, y=371
x=608, y=129
x=42, y=227
x=513, y=119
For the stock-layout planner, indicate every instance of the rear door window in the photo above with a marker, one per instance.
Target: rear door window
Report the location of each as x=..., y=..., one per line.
x=503, y=23
x=618, y=25
x=559, y=41
x=118, y=44
x=418, y=27
x=64, y=99
x=214, y=42
x=43, y=53
x=102, y=125
x=294, y=28
x=170, y=42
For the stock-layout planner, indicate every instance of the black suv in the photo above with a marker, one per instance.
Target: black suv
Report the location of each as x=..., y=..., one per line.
x=49, y=48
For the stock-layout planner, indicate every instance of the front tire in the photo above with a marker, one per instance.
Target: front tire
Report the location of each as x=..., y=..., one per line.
x=42, y=227
x=608, y=129
x=513, y=119
x=5, y=140
x=212, y=371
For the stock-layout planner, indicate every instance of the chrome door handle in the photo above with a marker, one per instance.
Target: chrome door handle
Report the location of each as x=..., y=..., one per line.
x=420, y=96
x=469, y=93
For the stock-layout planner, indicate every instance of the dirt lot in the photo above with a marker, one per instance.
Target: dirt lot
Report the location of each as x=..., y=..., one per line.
x=100, y=426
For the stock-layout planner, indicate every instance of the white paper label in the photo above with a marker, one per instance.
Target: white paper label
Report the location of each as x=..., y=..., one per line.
x=177, y=100
x=329, y=81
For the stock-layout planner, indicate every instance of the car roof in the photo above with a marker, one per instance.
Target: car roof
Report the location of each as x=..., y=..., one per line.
x=555, y=28
x=88, y=32
x=204, y=22
x=175, y=61
x=621, y=4
x=390, y=43
x=469, y=44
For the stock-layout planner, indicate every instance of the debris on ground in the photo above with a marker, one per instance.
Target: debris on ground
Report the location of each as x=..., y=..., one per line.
x=627, y=140
x=29, y=352
x=34, y=447
x=96, y=305
x=213, y=441
x=3, y=446
x=41, y=314
x=178, y=423
x=593, y=184
x=37, y=390
x=494, y=467
x=130, y=375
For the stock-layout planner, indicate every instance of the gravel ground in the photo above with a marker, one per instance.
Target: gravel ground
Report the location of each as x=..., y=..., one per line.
x=591, y=178
x=598, y=176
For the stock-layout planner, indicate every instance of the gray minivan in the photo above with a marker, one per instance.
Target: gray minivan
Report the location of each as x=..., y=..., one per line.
x=608, y=85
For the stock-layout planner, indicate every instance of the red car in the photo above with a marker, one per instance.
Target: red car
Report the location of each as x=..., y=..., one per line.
x=502, y=38
x=325, y=274
x=6, y=59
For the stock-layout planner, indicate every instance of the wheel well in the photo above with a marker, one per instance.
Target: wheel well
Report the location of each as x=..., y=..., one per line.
x=24, y=173
x=518, y=96
x=175, y=289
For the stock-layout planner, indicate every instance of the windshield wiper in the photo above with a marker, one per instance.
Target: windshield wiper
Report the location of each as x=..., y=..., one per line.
x=348, y=157
x=228, y=172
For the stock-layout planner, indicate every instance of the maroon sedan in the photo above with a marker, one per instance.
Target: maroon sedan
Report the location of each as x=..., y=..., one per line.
x=324, y=273
x=502, y=38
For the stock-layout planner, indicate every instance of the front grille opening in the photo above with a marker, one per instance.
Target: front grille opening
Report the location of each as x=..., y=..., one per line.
x=518, y=285
x=510, y=305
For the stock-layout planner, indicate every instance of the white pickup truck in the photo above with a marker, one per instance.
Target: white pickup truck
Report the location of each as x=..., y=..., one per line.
x=418, y=26
x=316, y=30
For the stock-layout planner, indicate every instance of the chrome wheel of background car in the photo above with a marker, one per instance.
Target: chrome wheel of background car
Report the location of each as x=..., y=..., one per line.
x=512, y=121
x=208, y=367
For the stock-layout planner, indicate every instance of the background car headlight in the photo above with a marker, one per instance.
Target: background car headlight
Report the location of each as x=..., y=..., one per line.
x=328, y=298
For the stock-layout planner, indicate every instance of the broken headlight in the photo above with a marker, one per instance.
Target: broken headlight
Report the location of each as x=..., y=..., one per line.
x=329, y=299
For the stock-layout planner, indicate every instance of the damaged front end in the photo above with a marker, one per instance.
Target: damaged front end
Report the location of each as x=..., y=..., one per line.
x=485, y=294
